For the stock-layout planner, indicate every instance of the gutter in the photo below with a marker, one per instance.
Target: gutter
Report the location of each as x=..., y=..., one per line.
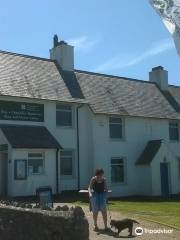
x=57, y=171
x=78, y=158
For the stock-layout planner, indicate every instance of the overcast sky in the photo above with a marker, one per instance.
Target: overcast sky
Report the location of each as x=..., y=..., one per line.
x=120, y=37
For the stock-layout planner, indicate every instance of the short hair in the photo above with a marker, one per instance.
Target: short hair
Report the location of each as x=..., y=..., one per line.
x=99, y=171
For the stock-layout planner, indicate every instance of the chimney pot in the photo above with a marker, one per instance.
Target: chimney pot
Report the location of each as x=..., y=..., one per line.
x=157, y=68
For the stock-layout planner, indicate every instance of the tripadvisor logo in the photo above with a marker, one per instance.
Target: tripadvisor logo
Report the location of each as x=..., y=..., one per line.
x=139, y=231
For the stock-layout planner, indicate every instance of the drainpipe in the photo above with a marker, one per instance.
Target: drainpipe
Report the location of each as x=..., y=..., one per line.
x=57, y=172
x=77, y=127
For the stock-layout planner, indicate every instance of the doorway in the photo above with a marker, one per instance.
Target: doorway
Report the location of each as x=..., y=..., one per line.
x=164, y=171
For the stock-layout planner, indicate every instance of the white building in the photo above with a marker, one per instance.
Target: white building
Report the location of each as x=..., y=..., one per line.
x=58, y=124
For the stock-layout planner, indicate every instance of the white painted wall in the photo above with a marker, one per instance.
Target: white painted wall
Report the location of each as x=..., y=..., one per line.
x=86, y=146
x=144, y=184
x=138, y=131
x=165, y=153
x=64, y=135
x=96, y=150
x=28, y=187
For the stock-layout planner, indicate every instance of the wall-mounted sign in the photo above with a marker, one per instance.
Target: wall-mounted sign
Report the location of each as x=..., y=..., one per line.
x=20, y=169
x=21, y=111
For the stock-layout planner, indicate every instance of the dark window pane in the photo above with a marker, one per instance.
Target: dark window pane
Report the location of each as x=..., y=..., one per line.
x=66, y=153
x=115, y=131
x=173, y=125
x=37, y=155
x=35, y=165
x=63, y=118
x=115, y=120
x=173, y=132
x=116, y=161
x=117, y=173
x=63, y=107
x=66, y=167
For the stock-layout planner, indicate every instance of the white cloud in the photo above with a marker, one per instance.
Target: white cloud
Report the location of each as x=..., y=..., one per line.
x=82, y=43
x=128, y=59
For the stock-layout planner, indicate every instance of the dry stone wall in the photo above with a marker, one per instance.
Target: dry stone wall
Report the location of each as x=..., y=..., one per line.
x=27, y=223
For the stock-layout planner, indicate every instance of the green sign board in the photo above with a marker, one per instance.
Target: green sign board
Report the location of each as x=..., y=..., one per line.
x=21, y=111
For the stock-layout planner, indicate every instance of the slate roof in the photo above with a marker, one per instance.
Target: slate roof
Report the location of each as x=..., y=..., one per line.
x=175, y=91
x=40, y=78
x=149, y=152
x=32, y=77
x=118, y=95
x=20, y=136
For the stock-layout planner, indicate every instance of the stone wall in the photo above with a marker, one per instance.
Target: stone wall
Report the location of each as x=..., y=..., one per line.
x=36, y=224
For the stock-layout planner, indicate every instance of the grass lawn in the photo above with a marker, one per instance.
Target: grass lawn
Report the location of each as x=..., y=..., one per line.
x=162, y=212
x=154, y=209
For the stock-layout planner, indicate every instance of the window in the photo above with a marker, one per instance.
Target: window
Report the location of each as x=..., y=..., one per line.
x=35, y=163
x=66, y=163
x=173, y=131
x=64, y=115
x=115, y=128
x=117, y=170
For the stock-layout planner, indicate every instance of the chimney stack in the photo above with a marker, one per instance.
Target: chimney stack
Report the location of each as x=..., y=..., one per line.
x=159, y=76
x=63, y=54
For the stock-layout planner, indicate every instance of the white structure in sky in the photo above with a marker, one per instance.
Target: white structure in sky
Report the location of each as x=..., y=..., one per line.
x=169, y=11
x=58, y=124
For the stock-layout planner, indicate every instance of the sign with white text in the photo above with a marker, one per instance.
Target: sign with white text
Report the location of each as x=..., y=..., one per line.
x=21, y=111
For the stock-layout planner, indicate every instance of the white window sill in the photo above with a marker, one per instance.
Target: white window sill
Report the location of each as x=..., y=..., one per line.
x=36, y=174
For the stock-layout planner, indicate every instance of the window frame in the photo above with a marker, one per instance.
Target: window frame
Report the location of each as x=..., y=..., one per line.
x=62, y=176
x=61, y=110
x=178, y=130
x=124, y=168
x=43, y=158
x=122, y=126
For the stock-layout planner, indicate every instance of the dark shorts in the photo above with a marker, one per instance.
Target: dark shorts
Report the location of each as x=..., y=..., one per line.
x=98, y=202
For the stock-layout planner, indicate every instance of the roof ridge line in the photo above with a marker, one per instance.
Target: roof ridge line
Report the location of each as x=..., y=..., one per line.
x=112, y=76
x=26, y=56
x=171, y=85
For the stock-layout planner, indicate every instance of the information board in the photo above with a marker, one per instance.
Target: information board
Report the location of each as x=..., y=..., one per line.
x=21, y=111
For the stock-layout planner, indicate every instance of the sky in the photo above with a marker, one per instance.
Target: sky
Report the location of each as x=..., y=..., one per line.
x=117, y=37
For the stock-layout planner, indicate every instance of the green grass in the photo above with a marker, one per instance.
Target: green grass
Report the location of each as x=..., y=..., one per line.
x=150, y=208
x=163, y=212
